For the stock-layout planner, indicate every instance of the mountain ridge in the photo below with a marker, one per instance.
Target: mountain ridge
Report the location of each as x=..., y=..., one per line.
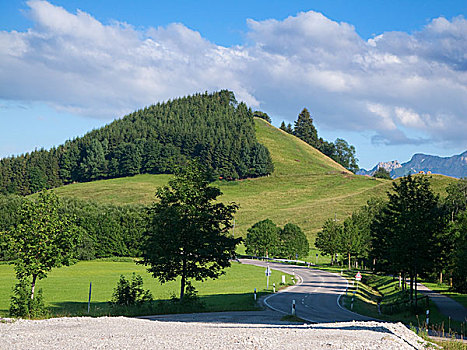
x=454, y=166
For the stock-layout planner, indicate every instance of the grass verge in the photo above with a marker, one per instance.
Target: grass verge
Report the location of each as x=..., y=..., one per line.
x=384, y=289
x=66, y=289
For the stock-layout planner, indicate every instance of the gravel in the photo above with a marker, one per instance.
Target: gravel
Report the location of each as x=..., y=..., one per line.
x=131, y=333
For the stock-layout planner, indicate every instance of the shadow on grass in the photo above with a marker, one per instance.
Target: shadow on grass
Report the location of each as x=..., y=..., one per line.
x=205, y=303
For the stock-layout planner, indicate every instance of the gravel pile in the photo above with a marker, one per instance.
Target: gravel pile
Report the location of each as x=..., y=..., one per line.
x=129, y=333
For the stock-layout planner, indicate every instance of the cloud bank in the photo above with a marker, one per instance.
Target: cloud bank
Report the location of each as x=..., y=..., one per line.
x=404, y=88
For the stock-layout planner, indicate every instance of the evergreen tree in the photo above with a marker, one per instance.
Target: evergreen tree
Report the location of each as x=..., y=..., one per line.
x=305, y=130
x=283, y=127
x=262, y=115
x=405, y=234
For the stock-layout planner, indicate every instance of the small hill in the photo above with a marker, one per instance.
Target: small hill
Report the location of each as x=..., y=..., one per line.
x=213, y=128
x=306, y=187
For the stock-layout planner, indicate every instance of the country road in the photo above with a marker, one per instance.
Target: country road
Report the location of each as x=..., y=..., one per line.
x=316, y=294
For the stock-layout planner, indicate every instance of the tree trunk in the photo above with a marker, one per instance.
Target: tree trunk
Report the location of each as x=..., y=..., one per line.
x=183, y=282
x=348, y=255
x=33, y=286
x=441, y=277
x=332, y=259
x=400, y=281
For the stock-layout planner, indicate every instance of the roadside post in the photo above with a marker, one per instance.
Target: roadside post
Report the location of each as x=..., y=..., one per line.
x=273, y=287
x=316, y=258
x=293, y=307
x=283, y=279
x=427, y=319
x=268, y=273
x=255, y=294
x=89, y=300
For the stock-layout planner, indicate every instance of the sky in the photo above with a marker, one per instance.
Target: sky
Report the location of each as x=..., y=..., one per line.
x=390, y=77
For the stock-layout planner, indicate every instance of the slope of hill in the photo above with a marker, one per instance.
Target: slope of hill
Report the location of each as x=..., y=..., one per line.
x=306, y=187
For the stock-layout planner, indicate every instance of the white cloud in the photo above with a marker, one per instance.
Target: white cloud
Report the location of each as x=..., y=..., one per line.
x=396, y=84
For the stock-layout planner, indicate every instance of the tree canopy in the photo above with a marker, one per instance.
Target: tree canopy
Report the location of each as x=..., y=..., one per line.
x=42, y=240
x=293, y=242
x=382, y=173
x=188, y=231
x=406, y=233
x=328, y=239
x=262, y=238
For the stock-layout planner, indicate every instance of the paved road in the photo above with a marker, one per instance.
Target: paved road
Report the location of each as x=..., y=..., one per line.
x=446, y=305
x=316, y=294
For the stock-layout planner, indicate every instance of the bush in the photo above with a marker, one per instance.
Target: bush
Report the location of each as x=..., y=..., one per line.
x=23, y=306
x=131, y=292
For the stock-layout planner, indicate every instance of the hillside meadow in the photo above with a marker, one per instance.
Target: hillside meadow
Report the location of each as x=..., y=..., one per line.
x=306, y=187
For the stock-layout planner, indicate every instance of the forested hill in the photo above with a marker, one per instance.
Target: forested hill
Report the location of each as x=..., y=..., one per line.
x=211, y=127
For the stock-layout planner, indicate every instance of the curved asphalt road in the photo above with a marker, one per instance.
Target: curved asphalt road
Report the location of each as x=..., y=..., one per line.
x=316, y=294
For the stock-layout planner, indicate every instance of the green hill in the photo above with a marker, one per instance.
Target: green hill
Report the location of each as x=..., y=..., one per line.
x=306, y=187
x=213, y=128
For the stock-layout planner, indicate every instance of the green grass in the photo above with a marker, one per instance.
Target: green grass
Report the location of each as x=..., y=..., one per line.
x=66, y=289
x=374, y=288
x=306, y=187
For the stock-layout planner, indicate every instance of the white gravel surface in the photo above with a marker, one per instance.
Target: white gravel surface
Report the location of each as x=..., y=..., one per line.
x=130, y=333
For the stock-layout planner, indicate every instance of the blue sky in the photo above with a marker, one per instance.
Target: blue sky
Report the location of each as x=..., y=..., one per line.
x=389, y=77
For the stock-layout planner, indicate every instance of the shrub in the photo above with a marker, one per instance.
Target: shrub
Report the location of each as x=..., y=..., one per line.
x=131, y=292
x=23, y=306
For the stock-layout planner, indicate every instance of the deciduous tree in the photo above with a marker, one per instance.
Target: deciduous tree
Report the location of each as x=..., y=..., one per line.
x=188, y=232
x=293, y=242
x=262, y=238
x=42, y=240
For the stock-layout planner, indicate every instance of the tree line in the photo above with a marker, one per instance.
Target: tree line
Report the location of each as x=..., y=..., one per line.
x=104, y=230
x=212, y=128
x=340, y=151
x=414, y=233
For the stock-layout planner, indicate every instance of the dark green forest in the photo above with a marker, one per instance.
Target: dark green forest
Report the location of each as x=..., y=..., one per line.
x=212, y=128
x=104, y=230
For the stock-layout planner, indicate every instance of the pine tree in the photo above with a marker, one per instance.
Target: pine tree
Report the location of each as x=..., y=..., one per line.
x=283, y=127
x=305, y=130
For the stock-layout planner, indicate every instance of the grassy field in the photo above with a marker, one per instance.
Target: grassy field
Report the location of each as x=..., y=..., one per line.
x=66, y=289
x=306, y=187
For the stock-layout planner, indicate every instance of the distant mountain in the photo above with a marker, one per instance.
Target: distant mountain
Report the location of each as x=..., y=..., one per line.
x=389, y=166
x=455, y=166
